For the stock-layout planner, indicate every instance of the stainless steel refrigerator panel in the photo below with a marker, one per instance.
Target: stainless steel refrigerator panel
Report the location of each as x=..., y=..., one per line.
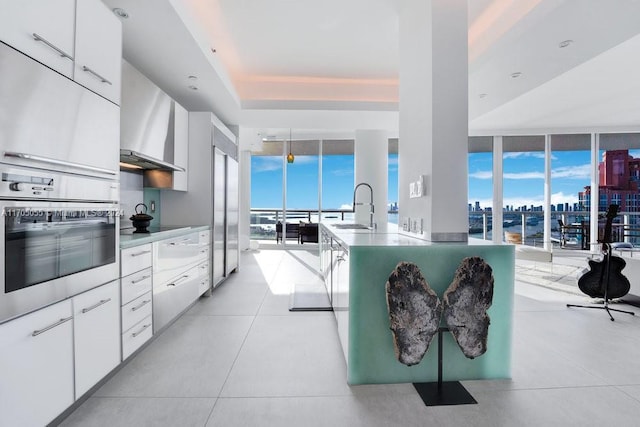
x=48, y=121
x=219, y=210
x=233, y=215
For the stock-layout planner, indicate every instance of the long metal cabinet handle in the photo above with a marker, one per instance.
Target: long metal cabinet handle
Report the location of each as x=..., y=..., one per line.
x=141, y=253
x=133, y=282
x=90, y=71
x=96, y=305
x=45, y=329
x=180, y=242
x=135, y=334
x=42, y=159
x=142, y=304
x=62, y=53
x=175, y=282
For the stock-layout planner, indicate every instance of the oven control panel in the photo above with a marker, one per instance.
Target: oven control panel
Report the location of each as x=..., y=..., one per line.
x=19, y=183
x=27, y=185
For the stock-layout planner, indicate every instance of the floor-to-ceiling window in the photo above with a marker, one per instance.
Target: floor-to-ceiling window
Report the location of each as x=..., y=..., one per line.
x=266, y=190
x=302, y=182
x=392, y=186
x=337, y=179
x=480, y=186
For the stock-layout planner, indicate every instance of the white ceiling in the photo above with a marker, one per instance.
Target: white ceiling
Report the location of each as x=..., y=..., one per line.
x=333, y=64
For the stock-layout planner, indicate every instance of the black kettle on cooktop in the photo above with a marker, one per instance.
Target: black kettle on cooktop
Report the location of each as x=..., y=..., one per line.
x=141, y=220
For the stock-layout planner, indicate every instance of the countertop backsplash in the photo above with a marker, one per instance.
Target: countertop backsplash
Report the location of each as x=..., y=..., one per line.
x=131, y=193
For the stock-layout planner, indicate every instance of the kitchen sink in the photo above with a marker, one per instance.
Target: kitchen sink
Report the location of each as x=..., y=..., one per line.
x=351, y=226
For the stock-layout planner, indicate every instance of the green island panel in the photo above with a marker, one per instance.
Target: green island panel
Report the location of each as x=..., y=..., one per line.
x=371, y=355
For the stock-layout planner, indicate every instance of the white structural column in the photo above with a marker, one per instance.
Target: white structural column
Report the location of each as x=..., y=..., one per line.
x=595, y=192
x=547, y=193
x=497, y=217
x=433, y=141
x=244, y=184
x=371, y=166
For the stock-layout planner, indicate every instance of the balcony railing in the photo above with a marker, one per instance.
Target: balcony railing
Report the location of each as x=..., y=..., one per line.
x=263, y=220
x=626, y=226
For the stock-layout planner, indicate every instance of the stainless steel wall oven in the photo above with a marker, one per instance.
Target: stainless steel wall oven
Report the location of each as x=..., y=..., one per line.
x=53, y=248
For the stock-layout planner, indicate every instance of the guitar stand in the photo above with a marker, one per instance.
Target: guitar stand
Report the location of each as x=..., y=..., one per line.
x=605, y=305
x=443, y=393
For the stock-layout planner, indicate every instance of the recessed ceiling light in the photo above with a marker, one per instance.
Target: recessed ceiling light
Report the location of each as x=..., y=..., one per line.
x=213, y=50
x=120, y=13
x=516, y=75
x=565, y=43
x=193, y=78
x=192, y=87
x=482, y=95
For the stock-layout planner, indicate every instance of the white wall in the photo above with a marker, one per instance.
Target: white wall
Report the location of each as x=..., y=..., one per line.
x=372, y=166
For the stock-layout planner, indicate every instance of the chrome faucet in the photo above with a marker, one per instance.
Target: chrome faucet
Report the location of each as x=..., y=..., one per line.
x=371, y=209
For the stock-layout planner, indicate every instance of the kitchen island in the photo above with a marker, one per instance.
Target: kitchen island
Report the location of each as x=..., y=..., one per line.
x=356, y=264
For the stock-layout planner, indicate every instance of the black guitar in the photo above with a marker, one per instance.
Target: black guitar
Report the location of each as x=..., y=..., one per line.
x=605, y=278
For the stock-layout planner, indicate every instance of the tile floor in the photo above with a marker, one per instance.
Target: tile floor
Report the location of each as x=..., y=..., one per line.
x=240, y=358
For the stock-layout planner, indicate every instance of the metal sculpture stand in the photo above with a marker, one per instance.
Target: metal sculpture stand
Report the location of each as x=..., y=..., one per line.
x=443, y=392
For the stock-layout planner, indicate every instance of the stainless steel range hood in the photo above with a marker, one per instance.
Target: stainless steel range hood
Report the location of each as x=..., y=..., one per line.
x=133, y=160
x=147, y=124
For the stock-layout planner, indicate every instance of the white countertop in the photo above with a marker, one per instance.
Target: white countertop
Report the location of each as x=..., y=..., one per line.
x=387, y=235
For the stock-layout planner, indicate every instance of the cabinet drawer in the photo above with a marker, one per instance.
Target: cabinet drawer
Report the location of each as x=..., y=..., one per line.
x=204, y=237
x=203, y=269
x=136, y=336
x=135, y=285
x=135, y=259
x=136, y=310
x=203, y=284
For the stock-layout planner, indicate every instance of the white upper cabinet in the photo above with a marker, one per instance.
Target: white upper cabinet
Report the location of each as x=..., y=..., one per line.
x=80, y=39
x=41, y=29
x=98, y=50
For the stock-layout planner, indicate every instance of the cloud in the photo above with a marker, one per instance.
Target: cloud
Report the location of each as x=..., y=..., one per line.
x=346, y=207
x=526, y=154
x=393, y=161
x=570, y=172
x=524, y=175
x=573, y=172
x=266, y=164
x=342, y=172
x=481, y=175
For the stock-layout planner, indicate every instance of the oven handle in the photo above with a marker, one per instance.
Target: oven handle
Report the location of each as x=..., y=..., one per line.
x=42, y=159
x=45, y=329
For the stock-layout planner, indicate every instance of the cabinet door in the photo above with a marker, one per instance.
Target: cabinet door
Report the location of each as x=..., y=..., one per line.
x=36, y=366
x=41, y=29
x=98, y=60
x=181, y=147
x=97, y=335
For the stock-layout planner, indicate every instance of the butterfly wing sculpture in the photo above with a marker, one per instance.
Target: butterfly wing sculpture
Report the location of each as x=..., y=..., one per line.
x=415, y=309
x=414, y=312
x=466, y=302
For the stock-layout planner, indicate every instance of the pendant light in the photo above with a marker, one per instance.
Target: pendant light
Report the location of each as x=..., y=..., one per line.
x=290, y=156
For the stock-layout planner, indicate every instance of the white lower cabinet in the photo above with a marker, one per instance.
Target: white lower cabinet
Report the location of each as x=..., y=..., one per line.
x=96, y=335
x=137, y=335
x=36, y=366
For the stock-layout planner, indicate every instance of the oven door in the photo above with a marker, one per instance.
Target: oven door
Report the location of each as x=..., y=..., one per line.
x=51, y=251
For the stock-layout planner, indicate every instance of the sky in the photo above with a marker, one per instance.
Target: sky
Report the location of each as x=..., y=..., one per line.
x=523, y=183
x=302, y=181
